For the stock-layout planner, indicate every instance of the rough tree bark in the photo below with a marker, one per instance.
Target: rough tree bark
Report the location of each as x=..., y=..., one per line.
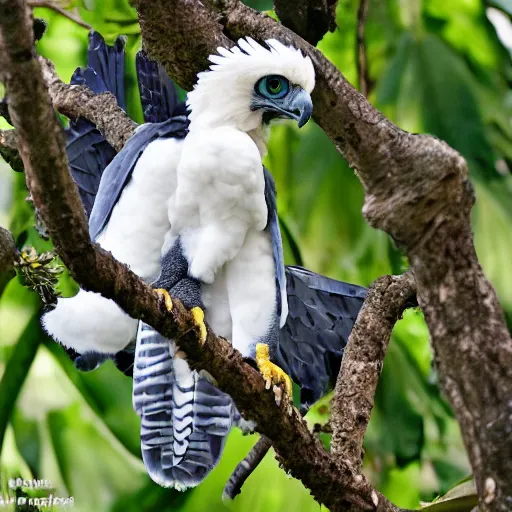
x=417, y=190
x=9, y=149
x=8, y=254
x=362, y=364
x=102, y=109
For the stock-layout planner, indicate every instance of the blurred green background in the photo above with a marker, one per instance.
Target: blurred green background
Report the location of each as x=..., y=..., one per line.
x=435, y=66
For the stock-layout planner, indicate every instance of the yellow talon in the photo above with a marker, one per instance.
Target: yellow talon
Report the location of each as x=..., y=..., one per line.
x=163, y=294
x=198, y=315
x=272, y=374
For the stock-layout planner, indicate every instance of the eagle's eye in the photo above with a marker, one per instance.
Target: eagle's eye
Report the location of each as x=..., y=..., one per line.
x=273, y=86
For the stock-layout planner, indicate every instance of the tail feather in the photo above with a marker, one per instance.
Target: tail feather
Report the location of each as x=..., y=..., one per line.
x=157, y=92
x=88, y=151
x=108, y=62
x=185, y=419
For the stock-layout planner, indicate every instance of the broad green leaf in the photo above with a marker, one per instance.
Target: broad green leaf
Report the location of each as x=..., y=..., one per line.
x=16, y=370
x=461, y=498
x=109, y=393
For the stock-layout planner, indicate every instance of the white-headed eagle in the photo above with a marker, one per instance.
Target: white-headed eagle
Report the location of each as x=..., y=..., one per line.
x=188, y=205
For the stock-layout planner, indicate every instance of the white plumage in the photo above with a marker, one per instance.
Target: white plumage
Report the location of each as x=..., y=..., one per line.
x=134, y=235
x=223, y=97
x=219, y=208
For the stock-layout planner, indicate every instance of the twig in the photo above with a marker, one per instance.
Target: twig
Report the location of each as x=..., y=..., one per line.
x=57, y=8
x=362, y=363
x=42, y=148
x=362, y=61
x=245, y=468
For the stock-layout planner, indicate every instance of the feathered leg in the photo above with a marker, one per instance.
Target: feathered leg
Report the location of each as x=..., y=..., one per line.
x=252, y=292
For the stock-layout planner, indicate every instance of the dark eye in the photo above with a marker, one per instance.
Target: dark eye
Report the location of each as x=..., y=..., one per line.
x=273, y=86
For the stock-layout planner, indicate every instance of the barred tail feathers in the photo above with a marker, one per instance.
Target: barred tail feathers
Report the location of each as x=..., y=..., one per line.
x=184, y=418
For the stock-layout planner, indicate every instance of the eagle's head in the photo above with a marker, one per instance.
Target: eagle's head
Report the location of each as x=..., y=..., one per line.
x=250, y=84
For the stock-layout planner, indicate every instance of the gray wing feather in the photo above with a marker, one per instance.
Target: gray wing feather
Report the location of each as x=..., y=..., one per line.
x=321, y=315
x=119, y=171
x=277, y=244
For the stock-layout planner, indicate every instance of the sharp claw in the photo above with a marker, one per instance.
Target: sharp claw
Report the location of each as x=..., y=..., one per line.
x=164, y=295
x=198, y=315
x=273, y=375
x=278, y=392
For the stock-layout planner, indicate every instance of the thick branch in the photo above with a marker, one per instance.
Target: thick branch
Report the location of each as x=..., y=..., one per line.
x=54, y=193
x=417, y=190
x=362, y=363
x=101, y=109
x=310, y=19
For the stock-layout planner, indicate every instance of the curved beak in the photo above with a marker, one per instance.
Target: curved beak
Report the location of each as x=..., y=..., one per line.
x=296, y=105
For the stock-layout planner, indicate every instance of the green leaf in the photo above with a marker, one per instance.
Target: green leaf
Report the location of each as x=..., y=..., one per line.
x=461, y=498
x=109, y=394
x=80, y=444
x=16, y=371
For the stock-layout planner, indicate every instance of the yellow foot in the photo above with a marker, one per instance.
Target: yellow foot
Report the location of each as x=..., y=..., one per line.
x=272, y=374
x=198, y=315
x=164, y=295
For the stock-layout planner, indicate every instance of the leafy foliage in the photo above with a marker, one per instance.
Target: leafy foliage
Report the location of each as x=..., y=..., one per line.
x=40, y=273
x=435, y=67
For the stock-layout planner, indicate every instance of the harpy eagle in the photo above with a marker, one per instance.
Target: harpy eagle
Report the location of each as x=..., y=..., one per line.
x=189, y=207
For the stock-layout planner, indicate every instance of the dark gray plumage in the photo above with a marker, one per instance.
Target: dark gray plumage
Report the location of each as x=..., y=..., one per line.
x=88, y=151
x=321, y=315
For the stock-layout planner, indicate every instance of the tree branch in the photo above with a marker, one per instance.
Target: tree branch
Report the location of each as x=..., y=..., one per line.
x=57, y=8
x=362, y=363
x=310, y=19
x=9, y=149
x=42, y=148
x=245, y=468
x=79, y=101
x=417, y=190
x=76, y=101
x=8, y=251
x=8, y=255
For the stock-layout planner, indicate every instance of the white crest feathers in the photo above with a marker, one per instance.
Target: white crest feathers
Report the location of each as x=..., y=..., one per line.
x=223, y=93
